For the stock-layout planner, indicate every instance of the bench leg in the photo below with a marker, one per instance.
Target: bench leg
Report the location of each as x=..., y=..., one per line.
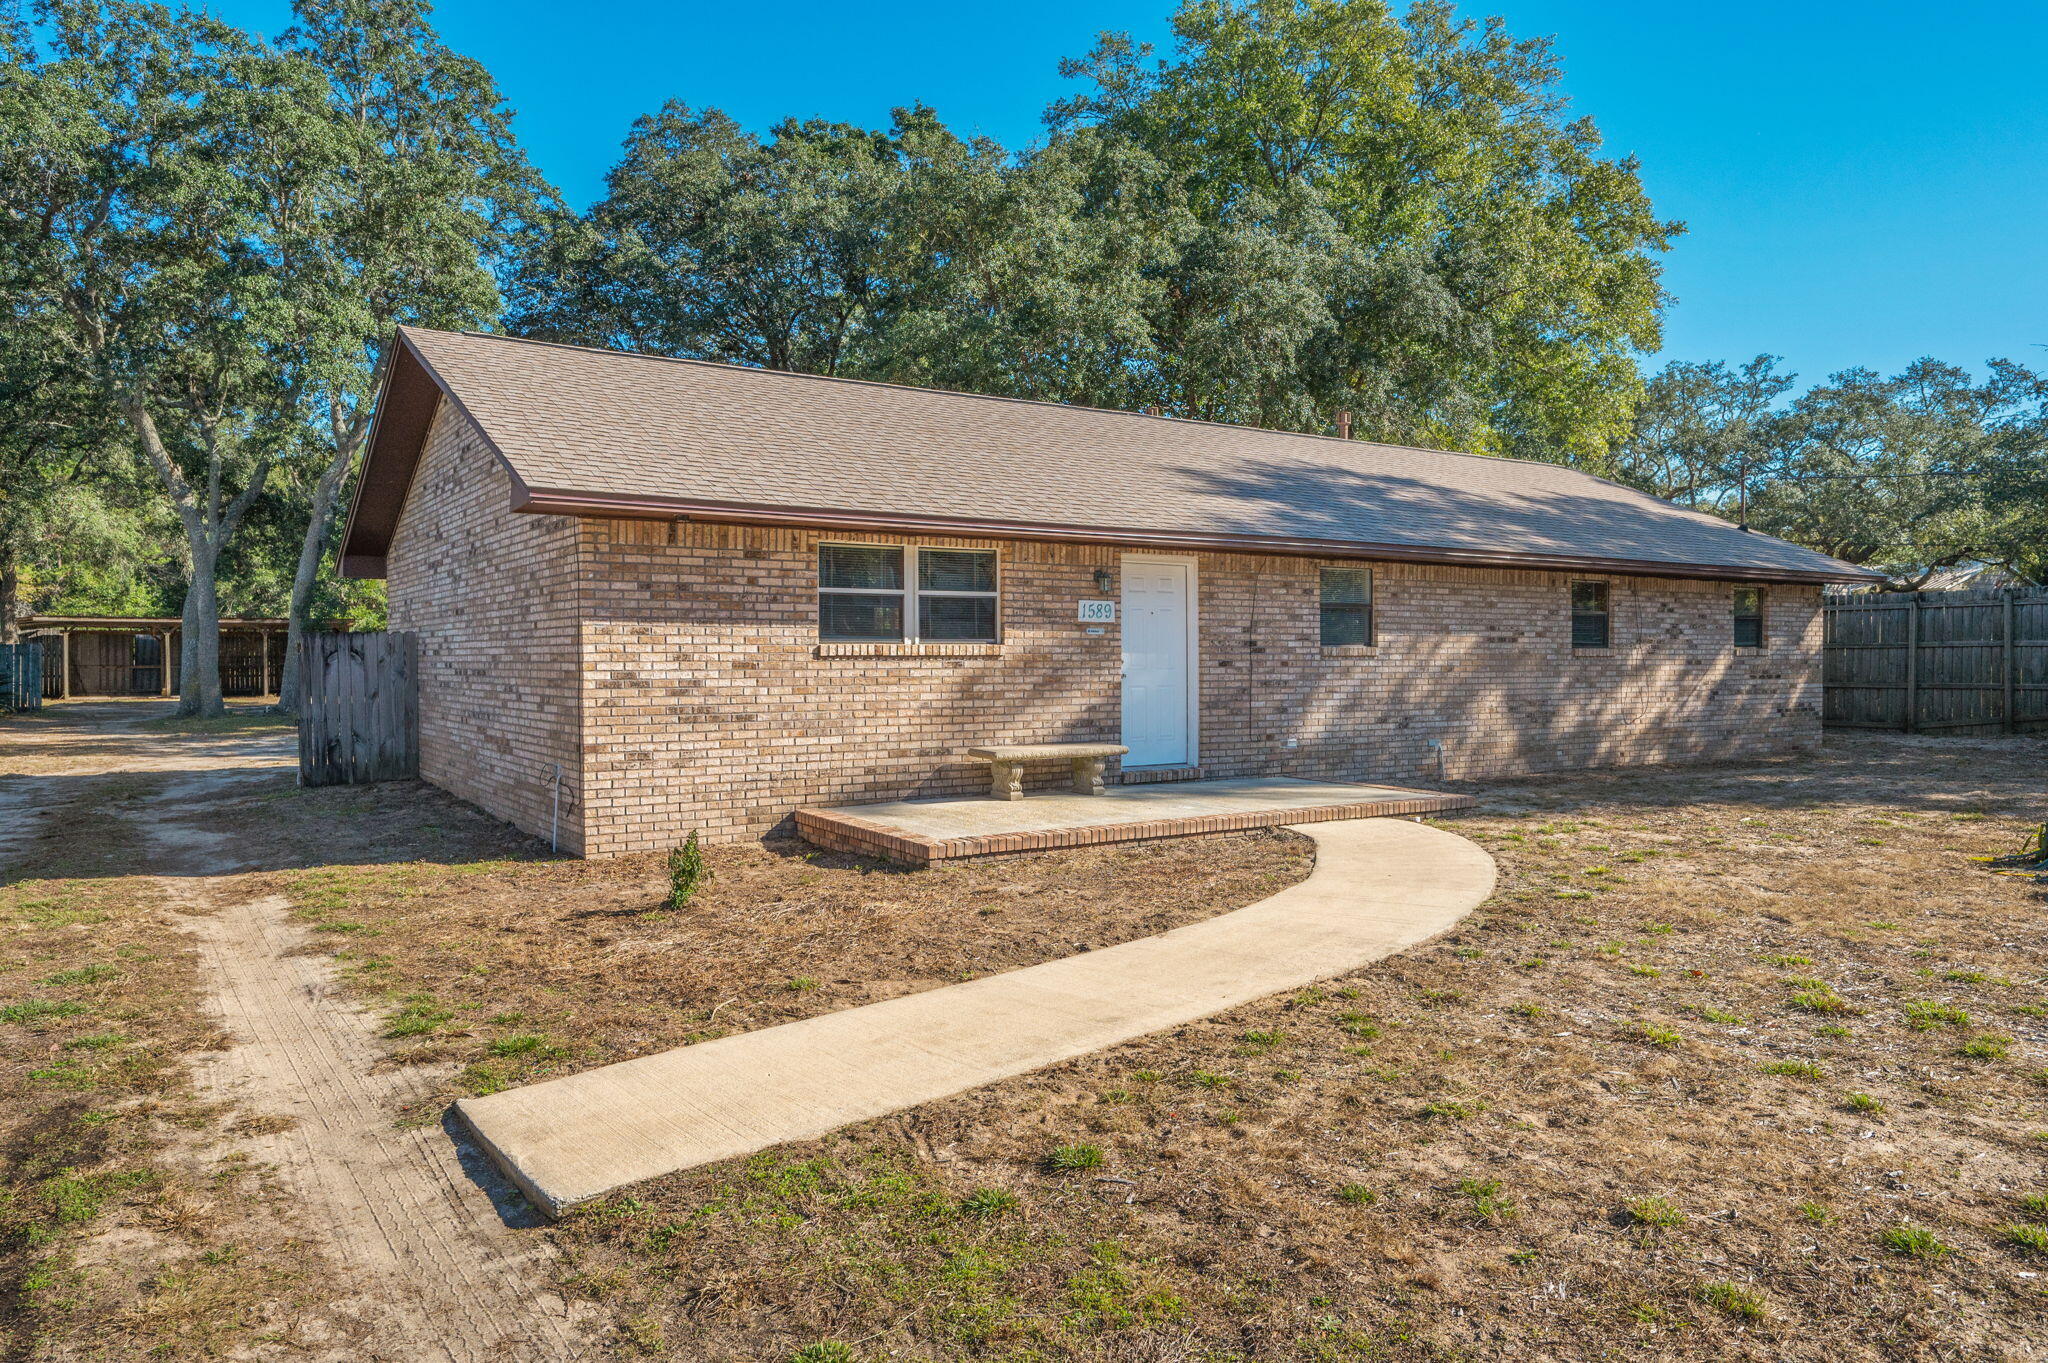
x=1006, y=780
x=1088, y=776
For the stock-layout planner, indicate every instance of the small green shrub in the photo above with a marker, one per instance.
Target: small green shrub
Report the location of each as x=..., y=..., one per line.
x=1862, y=1102
x=686, y=872
x=1357, y=1194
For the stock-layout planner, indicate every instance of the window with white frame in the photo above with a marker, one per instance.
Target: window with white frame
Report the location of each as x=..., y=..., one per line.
x=889, y=593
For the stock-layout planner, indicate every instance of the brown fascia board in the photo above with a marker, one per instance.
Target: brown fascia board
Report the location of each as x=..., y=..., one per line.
x=406, y=398
x=568, y=502
x=411, y=393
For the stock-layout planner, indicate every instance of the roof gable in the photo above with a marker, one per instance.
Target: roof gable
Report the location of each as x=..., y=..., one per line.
x=598, y=432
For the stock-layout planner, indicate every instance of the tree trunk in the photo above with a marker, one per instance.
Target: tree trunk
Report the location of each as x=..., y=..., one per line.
x=208, y=528
x=10, y=596
x=325, y=493
x=199, y=651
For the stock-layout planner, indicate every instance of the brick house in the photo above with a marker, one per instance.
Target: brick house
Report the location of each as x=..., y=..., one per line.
x=677, y=595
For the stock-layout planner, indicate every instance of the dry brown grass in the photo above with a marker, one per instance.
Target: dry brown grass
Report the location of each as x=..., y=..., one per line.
x=1692, y=1085
x=100, y=1167
x=1555, y=1133
x=517, y=969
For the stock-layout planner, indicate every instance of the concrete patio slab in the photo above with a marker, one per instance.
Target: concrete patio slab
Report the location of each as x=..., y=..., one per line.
x=919, y=832
x=1379, y=886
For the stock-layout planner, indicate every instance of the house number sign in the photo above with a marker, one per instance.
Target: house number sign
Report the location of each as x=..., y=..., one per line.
x=1098, y=613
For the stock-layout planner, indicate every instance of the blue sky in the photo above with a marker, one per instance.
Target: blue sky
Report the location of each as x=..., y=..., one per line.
x=1863, y=182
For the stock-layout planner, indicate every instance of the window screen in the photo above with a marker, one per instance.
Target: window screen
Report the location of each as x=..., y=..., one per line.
x=1347, y=606
x=1589, y=615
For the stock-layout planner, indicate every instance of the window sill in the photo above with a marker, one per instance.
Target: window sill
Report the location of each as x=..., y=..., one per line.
x=1582, y=651
x=1350, y=650
x=851, y=649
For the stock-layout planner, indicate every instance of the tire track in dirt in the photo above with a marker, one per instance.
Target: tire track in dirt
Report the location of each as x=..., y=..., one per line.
x=438, y=1272
x=423, y=1234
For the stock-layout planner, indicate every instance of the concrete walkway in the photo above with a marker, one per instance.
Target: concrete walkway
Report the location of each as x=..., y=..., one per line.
x=1379, y=886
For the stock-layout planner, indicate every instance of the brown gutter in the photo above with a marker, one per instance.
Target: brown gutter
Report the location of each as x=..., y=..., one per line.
x=564, y=502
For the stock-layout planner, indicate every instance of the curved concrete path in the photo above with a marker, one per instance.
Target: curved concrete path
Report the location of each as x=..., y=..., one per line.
x=1379, y=886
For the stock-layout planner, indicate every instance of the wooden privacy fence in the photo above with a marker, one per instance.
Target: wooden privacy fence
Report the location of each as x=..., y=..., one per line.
x=1952, y=662
x=21, y=676
x=359, y=711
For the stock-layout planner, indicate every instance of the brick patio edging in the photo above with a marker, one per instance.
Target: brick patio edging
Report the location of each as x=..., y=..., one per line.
x=844, y=832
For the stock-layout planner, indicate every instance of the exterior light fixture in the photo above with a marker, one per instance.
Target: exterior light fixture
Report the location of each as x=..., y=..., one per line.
x=1103, y=581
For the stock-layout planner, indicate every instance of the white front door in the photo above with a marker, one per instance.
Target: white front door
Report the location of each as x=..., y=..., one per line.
x=1159, y=694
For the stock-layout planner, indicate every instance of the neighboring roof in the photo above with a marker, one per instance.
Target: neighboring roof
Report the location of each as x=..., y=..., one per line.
x=124, y=622
x=607, y=433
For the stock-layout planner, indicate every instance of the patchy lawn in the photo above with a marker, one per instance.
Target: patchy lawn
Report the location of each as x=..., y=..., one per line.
x=1743, y=1062
x=99, y=1127
x=519, y=969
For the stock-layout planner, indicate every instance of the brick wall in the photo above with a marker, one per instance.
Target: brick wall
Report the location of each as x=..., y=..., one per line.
x=492, y=597
x=710, y=704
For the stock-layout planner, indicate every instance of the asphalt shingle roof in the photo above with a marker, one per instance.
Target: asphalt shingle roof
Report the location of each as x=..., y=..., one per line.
x=624, y=428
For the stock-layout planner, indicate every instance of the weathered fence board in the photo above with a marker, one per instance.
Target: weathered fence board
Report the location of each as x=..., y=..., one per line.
x=358, y=708
x=21, y=676
x=1948, y=662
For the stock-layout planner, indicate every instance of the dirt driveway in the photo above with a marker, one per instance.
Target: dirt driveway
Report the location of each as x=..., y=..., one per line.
x=346, y=1235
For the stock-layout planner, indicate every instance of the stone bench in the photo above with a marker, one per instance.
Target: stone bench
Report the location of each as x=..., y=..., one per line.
x=1006, y=762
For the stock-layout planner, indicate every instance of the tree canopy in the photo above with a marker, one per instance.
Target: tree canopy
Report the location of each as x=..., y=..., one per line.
x=217, y=234
x=1316, y=206
x=1925, y=470
x=1302, y=208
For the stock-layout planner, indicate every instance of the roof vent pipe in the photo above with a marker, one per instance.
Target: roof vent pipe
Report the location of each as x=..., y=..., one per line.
x=1343, y=425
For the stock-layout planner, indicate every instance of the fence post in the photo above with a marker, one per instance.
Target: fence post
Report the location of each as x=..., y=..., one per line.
x=1913, y=662
x=2011, y=721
